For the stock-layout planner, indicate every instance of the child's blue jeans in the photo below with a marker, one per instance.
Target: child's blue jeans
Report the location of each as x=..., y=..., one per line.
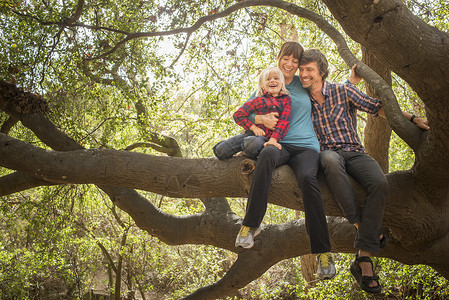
x=246, y=142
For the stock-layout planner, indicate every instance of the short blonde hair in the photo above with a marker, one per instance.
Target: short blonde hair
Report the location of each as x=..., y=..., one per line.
x=264, y=76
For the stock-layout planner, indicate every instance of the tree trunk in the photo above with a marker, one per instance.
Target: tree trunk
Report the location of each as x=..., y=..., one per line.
x=377, y=130
x=308, y=266
x=308, y=270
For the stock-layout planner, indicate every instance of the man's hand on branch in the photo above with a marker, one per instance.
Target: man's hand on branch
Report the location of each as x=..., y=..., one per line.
x=421, y=123
x=354, y=77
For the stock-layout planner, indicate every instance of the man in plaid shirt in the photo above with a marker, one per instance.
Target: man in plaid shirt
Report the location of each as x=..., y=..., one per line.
x=334, y=116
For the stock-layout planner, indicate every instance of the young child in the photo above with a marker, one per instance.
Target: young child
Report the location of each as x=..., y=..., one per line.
x=271, y=96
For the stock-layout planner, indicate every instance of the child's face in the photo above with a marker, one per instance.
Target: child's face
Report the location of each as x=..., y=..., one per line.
x=273, y=84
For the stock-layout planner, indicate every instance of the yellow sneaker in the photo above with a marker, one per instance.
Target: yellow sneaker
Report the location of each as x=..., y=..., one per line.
x=245, y=238
x=326, y=266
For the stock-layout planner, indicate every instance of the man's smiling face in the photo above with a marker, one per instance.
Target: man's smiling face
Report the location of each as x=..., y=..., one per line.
x=310, y=76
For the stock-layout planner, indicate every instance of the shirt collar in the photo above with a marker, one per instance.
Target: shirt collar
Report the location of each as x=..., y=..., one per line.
x=267, y=94
x=325, y=89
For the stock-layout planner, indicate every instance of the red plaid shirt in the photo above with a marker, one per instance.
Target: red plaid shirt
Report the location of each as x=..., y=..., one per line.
x=264, y=105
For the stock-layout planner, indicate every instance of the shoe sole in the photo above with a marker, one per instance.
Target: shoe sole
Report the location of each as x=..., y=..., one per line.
x=327, y=277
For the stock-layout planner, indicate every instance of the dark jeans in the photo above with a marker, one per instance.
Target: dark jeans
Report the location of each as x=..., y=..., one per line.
x=305, y=164
x=247, y=142
x=337, y=165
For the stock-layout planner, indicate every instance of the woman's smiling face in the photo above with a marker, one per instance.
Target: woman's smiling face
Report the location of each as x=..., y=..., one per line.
x=288, y=65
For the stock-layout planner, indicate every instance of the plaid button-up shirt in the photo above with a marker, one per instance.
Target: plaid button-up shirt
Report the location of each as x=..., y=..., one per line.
x=264, y=105
x=335, y=121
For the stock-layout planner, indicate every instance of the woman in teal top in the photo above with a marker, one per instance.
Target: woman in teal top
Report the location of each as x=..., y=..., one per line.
x=301, y=132
x=300, y=150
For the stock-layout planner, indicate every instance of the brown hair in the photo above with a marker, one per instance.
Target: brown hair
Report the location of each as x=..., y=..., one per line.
x=291, y=48
x=315, y=55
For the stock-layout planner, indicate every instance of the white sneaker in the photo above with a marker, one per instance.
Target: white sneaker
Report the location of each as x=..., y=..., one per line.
x=246, y=236
x=326, y=266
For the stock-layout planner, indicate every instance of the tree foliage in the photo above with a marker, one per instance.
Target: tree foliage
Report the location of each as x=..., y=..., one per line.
x=159, y=80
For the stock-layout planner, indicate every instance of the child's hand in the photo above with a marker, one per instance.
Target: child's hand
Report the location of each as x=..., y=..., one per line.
x=273, y=142
x=257, y=131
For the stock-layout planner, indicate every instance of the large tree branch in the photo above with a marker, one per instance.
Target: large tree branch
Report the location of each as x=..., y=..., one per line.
x=18, y=181
x=8, y=124
x=169, y=176
x=203, y=178
x=126, y=169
